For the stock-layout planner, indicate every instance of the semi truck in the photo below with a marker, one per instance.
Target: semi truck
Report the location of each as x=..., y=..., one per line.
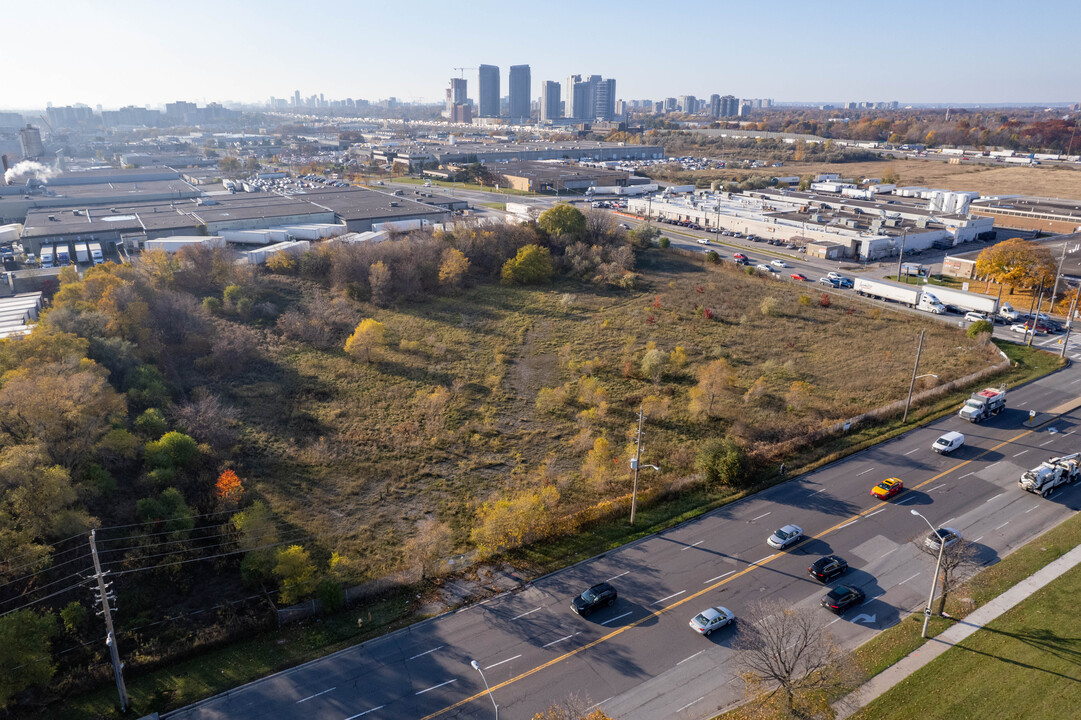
x=967, y=301
x=95, y=253
x=63, y=255
x=81, y=253
x=984, y=404
x=912, y=296
x=1049, y=474
x=46, y=253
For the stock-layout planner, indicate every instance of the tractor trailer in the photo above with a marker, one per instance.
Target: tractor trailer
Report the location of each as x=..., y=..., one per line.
x=967, y=301
x=1049, y=474
x=911, y=296
x=984, y=404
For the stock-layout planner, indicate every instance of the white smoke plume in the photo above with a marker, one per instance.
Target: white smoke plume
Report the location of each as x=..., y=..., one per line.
x=28, y=169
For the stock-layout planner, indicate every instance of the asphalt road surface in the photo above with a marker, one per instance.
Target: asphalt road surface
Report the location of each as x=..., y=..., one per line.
x=639, y=658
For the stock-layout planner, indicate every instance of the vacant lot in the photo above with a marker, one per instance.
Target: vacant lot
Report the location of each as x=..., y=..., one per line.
x=355, y=454
x=1023, y=665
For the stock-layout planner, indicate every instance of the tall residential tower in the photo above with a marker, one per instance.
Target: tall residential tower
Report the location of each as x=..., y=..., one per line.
x=520, y=89
x=488, y=92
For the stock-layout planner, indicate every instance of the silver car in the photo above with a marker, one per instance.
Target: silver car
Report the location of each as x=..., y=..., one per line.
x=944, y=534
x=711, y=619
x=788, y=535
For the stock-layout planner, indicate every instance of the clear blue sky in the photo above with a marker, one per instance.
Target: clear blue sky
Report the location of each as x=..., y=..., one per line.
x=117, y=52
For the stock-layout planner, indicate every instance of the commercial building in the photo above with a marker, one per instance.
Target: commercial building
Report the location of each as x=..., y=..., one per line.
x=550, y=104
x=30, y=142
x=456, y=95
x=462, y=152
x=520, y=88
x=1051, y=215
x=488, y=91
x=558, y=177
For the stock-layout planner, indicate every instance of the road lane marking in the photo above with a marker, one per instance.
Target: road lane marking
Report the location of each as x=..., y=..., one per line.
x=868, y=600
x=709, y=588
x=431, y=651
x=966, y=475
x=759, y=562
x=978, y=539
x=617, y=617
x=688, y=547
x=996, y=497
x=1047, y=442
x=617, y=576
x=886, y=553
x=669, y=597
x=565, y=637
x=1031, y=509
x=876, y=512
x=516, y=617
x=316, y=695
x=865, y=471
x=1023, y=403
x=707, y=582
x=1003, y=525
x=936, y=487
x=501, y=662
x=908, y=500
x=830, y=622
x=692, y=657
x=847, y=524
x=691, y=703
x=1069, y=433
x=354, y=717
x=907, y=579
x=912, y=451
x=760, y=516
x=818, y=491
x=1021, y=453
x=602, y=702
x=433, y=687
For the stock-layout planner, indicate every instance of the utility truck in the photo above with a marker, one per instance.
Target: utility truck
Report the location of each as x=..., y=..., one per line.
x=1049, y=474
x=911, y=296
x=984, y=404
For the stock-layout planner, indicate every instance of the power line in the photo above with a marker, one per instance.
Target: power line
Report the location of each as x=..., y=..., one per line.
x=297, y=535
x=48, y=585
x=43, y=599
x=186, y=517
x=167, y=542
x=51, y=567
x=32, y=552
x=208, y=557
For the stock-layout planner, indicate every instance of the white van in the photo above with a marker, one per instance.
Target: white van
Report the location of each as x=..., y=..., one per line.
x=948, y=443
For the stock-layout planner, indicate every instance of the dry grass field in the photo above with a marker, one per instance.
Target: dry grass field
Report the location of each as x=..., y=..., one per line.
x=355, y=454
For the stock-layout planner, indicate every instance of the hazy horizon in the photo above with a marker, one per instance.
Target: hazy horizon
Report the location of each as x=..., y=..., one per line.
x=138, y=53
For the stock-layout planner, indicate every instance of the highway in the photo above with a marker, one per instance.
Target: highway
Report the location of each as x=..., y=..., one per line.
x=638, y=658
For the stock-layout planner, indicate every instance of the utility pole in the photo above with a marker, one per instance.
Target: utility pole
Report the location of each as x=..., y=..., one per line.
x=1058, y=273
x=901, y=255
x=912, y=384
x=1036, y=317
x=104, y=597
x=1069, y=321
x=637, y=457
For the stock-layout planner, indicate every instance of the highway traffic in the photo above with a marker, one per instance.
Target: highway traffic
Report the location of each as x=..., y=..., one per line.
x=638, y=657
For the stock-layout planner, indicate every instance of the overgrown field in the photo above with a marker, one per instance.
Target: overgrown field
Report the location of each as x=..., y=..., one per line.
x=529, y=395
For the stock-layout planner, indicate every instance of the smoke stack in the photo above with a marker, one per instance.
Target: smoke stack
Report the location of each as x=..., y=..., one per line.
x=3, y=175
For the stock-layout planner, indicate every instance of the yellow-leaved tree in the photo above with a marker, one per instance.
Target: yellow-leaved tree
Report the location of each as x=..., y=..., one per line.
x=367, y=340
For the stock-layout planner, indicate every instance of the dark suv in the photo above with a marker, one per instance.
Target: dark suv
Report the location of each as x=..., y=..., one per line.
x=593, y=598
x=842, y=597
x=827, y=568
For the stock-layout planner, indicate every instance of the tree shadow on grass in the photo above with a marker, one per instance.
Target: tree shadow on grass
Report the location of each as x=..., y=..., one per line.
x=1042, y=640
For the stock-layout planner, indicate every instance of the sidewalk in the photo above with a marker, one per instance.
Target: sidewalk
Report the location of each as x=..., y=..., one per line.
x=975, y=620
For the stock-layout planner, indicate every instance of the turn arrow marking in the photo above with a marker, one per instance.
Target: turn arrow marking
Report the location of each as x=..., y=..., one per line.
x=864, y=617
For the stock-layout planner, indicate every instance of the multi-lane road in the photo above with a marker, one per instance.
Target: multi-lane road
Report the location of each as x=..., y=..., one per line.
x=638, y=658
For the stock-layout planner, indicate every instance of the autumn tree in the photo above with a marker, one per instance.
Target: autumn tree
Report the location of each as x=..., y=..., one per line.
x=296, y=574
x=716, y=381
x=958, y=561
x=654, y=363
x=722, y=461
x=573, y=707
x=532, y=265
x=789, y=664
x=1016, y=263
x=563, y=219
x=381, y=283
x=516, y=519
x=453, y=268
x=432, y=541
x=598, y=466
x=24, y=652
x=257, y=535
x=367, y=340
x=228, y=488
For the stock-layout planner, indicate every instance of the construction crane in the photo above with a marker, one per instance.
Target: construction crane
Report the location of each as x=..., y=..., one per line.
x=463, y=69
x=51, y=131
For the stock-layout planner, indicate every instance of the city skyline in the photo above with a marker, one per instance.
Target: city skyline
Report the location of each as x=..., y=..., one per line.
x=836, y=54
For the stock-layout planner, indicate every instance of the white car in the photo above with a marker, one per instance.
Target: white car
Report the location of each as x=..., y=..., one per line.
x=945, y=534
x=779, y=263
x=703, y=241
x=788, y=535
x=711, y=619
x=764, y=267
x=948, y=443
x=975, y=316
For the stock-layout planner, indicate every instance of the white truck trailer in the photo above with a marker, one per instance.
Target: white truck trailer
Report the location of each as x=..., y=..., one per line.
x=911, y=296
x=966, y=301
x=984, y=404
x=95, y=253
x=81, y=253
x=1050, y=474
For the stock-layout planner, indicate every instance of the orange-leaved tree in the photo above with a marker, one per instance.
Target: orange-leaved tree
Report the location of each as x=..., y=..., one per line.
x=229, y=489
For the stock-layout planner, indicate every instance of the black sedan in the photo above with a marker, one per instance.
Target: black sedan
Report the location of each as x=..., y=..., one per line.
x=827, y=568
x=593, y=598
x=842, y=597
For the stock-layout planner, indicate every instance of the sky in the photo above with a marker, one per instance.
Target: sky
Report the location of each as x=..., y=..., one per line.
x=149, y=52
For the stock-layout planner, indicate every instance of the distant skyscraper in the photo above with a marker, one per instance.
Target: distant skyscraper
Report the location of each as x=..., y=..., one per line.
x=714, y=105
x=688, y=103
x=571, y=110
x=549, y=108
x=591, y=100
x=30, y=141
x=488, y=92
x=456, y=95
x=604, y=98
x=296, y=98
x=729, y=106
x=520, y=90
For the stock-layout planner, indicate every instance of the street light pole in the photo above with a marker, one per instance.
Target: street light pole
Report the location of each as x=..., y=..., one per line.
x=1036, y=317
x=901, y=255
x=476, y=666
x=1069, y=320
x=912, y=385
x=934, y=580
x=637, y=457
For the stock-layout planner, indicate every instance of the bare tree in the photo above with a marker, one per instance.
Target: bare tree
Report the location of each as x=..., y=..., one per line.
x=958, y=560
x=599, y=228
x=432, y=541
x=790, y=665
x=573, y=707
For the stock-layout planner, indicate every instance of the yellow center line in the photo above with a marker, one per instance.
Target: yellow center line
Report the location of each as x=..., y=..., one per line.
x=727, y=580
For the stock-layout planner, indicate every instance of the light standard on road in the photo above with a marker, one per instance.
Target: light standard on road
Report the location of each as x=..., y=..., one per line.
x=912, y=385
x=476, y=666
x=635, y=463
x=938, y=566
